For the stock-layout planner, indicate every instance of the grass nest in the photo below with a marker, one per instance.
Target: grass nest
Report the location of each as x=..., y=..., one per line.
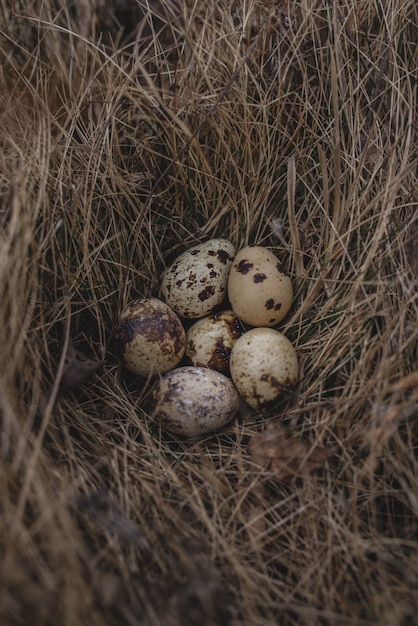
x=129, y=132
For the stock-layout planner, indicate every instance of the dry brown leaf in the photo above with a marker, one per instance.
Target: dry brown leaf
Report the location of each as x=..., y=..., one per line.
x=286, y=457
x=256, y=524
x=283, y=7
x=106, y=513
x=78, y=369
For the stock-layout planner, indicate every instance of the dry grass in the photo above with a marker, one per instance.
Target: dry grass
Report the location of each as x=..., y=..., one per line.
x=295, y=131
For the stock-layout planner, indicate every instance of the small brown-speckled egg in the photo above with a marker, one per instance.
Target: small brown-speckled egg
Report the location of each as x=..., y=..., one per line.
x=193, y=401
x=259, y=290
x=150, y=337
x=196, y=281
x=264, y=367
x=209, y=341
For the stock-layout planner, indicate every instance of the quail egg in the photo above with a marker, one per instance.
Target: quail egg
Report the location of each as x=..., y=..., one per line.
x=193, y=401
x=150, y=337
x=264, y=367
x=210, y=339
x=259, y=290
x=196, y=281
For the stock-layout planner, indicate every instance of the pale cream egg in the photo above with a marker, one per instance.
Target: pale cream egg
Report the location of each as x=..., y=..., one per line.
x=196, y=281
x=259, y=290
x=210, y=339
x=264, y=367
x=193, y=401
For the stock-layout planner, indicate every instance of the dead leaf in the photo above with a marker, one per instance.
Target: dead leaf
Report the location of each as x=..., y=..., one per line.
x=107, y=514
x=256, y=524
x=286, y=457
x=78, y=369
x=283, y=7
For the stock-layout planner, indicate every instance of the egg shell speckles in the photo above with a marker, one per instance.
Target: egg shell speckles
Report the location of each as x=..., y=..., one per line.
x=193, y=401
x=264, y=367
x=209, y=341
x=150, y=337
x=259, y=290
x=196, y=282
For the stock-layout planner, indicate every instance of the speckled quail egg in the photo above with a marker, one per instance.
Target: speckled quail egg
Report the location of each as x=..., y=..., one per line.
x=196, y=281
x=259, y=290
x=209, y=341
x=264, y=367
x=150, y=337
x=193, y=401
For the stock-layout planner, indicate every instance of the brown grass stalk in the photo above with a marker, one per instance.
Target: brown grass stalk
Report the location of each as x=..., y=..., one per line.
x=130, y=131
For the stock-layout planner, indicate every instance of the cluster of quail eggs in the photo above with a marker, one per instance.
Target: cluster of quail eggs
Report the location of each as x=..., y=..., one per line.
x=208, y=340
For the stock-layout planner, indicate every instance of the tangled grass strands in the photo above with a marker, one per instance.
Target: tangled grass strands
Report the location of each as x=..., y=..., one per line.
x=130, y=131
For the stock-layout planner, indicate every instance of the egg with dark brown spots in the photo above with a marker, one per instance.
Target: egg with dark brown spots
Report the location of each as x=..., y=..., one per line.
x=193, y=401
x=196, y=281
x=210, y=339
x=150, y=337
x=264, y=367
x=259, y=289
